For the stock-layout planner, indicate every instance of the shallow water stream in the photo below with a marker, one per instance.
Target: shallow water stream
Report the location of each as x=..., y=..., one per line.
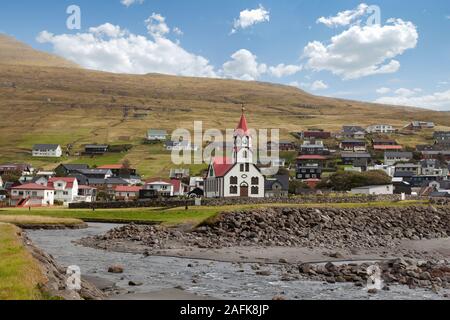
x=214, y=279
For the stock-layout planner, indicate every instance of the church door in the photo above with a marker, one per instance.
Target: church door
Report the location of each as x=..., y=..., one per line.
x=244, y=190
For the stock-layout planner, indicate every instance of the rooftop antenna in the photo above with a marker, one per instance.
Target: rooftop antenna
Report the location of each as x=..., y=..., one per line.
x=243, y=108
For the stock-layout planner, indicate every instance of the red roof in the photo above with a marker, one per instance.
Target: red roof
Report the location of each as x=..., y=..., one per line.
x=387, y=147
x=69, y=182
x=152, y=180
x=222, y=166
x=32, y=186
x=311, y=157
x=111, y=166
x=176, y=185
x=242, y=128
x=128, y=189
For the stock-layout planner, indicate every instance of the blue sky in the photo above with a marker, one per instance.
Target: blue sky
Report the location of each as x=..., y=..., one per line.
x=404, y=61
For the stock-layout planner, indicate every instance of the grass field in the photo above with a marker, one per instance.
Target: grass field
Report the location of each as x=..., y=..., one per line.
x=175, y=216
x=33, y=220
x=20, y=274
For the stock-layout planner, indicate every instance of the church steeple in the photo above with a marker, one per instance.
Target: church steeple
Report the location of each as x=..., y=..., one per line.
x=242, y=141
x=242, y=128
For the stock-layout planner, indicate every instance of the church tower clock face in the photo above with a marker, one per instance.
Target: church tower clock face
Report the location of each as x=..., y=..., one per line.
x=245, y=141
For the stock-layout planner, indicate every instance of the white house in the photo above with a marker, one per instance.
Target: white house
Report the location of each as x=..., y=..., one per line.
x=391, y=158
x=380, y=128
x=374, y=190
x=238, y=176
x=157, y=135
x=47, y=151
x=32, y=195
x=66, y=189
x=161, y=187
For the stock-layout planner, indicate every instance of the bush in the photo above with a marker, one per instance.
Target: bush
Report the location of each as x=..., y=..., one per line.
x=345, y=181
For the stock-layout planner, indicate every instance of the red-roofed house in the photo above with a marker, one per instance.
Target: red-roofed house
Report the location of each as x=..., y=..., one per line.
x=160, y=187
x=66, y=189
x=32, y=195
x=127, y=193
x=238, y=176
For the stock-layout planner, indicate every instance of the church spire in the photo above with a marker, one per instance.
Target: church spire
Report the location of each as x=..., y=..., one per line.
x=242, y=126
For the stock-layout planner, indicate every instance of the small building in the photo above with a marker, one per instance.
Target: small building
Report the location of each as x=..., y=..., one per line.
x=66, y=189
x=95, y=149
x=86, y=194
x=350, y=130
x=441, y=137
x=389, y=170
x=380, y=128
x=407, y=167
x=154, y=135
x=393, y=157
x=66, y=169
x=32, y=195
x=419, y=125
x=353, y=145
x=47, y=151
x=23, y=168
x=401, y=187
x=434, y=167
x=277, y=186
x=309, y=167
x=119, y=170
x=96, y=173
x=179, y=174
x=282, y=145
x=356, y=159
x=127, y=193
x=315, y=134
x=374, y=190
x=313, y=147
x=180, y=146
x=159, y=187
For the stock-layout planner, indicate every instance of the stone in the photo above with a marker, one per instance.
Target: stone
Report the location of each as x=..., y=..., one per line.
x=135, y=283
x=372, y=291
x=116, y=269
x=265, y=273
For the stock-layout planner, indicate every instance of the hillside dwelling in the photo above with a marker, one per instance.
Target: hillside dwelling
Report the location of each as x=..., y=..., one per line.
x=86, y=194
x=46, y=174
x=237, y=176
x=180, y=146
x=389, y=170
x=282, y=145
x=374, y=190
x=441, y=137
x=119, y=170
x=438, y=154
x=277, y=186
x=420, y=181
x=359, y=135
x=96, y=149
x=356, y=159
x=23, y=168
x=31, y=195
x=315, y=134
x=42, y=180
x=160, y=187
x=65, y=189
x=419, y=125
x=107, y=184
x=431, y=167
x=408, y=167
x=66, y=169
x=96, y=173
x=393, y=157
x=353, y=145
x=309, y=167
x=155, y=135
x=313, y=147
x=381, y=128
x=179, y=174
x=349, y=130
x=47, y=151
x=126, y=193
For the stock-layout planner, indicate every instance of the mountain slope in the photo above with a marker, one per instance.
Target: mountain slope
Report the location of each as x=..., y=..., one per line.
x=17, y=53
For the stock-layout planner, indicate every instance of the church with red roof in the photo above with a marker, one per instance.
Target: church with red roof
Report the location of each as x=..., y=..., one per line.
x=236, y=176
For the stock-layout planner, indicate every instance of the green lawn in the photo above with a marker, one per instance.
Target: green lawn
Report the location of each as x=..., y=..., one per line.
x=20, y=274
x=176, y=216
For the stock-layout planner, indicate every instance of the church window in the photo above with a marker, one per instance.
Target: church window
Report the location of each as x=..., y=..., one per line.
x=247, y=167
x=242, y=167
x=255, y=180
x=233, y=190
x=255, y=190
x=233, y=180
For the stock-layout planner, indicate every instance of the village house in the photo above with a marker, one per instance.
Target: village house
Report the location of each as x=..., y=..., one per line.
x=180, y=146
x=436, y=154
x=389, y=170
x=277, y=186
x=356, y=159
x=374, y=190
x=160, y=187
x=350, y=131
x=66, y=169
x=107, y=185
x=380, y=128
x=127, y=193
x=95, y=149
x=179, y=174
x=309, y=167
x=282, y=145
x=313, y=147
x=315, y=134
x=394, y=157
x=96, y=173
x=24, y=169
x=65, y=189
x=47, y=151
x=86, y=194
x=31, y=195
x=442, y=138
x=386, y=145
x=154, y=135
x=419, y=125
x=237, y=176
x=430, y=167
x=196, y=186
x=353, y=145
x=412, y=168
x=119, y=170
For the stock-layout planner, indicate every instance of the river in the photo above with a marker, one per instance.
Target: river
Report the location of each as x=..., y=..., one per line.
x=213, y=279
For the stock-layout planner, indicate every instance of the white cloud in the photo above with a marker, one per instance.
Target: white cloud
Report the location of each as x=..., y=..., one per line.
x=248, y=18
x=363, y=51
x=283, y=70
x=405, y=97
x=128, y=3
x=243, y=66
x=383, y=90
x=318, y=85
x=178, y=31
x=156, y=25
x=344, y=18
x=109, y=48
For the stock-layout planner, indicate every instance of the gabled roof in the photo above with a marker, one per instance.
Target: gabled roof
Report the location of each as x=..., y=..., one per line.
x=222, y=166
x=69, y=182
x=242, y=126
x=31, y=186
x=45, y=146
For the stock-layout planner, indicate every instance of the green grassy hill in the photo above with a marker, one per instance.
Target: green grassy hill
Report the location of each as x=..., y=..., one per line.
x=44, y=99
